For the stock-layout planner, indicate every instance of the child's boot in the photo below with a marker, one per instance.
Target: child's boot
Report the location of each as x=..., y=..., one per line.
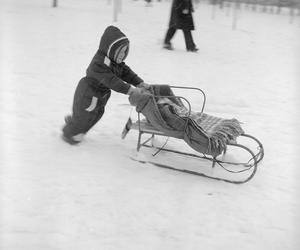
x=67, y=136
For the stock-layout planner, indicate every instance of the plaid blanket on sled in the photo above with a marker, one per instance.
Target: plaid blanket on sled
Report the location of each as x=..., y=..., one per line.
x=204, y=133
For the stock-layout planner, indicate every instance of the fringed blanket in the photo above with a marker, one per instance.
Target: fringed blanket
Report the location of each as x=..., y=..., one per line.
x=219, y=131
x=205, y=133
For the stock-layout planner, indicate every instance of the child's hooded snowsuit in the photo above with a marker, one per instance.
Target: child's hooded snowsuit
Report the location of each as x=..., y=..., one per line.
x=102, y=75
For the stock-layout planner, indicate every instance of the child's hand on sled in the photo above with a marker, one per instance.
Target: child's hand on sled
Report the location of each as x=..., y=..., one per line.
x=138, y=95
x=144, y=85
x=135, y=91
x=138, y=91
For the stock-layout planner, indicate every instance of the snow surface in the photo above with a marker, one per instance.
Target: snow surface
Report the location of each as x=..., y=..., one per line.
x=93, y=196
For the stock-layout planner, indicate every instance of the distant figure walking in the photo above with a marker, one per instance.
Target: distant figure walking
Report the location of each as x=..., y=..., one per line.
x=181, y=18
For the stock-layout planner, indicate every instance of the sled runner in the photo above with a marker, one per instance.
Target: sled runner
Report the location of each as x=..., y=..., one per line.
x=220, y=142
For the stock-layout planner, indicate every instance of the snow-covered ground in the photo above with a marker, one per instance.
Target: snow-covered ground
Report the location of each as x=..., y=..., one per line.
x=93, y=196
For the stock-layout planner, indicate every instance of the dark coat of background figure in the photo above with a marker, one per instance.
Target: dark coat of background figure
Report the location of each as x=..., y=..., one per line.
x=181, y=18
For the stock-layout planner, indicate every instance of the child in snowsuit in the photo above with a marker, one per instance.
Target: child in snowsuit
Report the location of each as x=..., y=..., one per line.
x=106, y=71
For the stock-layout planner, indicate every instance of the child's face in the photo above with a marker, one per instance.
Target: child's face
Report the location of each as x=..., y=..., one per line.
x=122, y=54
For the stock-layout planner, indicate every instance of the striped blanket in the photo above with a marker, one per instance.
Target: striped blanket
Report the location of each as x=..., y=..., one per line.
x=219, y=131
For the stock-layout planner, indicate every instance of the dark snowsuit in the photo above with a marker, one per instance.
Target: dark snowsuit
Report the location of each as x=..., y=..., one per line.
x=94, y=90
x=179, y=20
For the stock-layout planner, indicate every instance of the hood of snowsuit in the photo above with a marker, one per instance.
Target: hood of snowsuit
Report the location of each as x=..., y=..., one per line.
x=111, y=42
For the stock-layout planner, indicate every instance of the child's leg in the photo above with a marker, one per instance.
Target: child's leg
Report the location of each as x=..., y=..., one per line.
x=88, y=108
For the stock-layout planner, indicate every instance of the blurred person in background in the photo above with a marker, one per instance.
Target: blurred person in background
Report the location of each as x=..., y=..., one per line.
x=181, y=18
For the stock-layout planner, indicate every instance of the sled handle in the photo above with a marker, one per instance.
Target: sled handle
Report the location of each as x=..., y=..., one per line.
x=193, y=88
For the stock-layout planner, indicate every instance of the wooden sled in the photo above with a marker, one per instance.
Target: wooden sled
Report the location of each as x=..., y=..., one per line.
x=238, y=171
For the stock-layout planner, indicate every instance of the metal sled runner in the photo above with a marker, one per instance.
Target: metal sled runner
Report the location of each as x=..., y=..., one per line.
x=218, y=166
